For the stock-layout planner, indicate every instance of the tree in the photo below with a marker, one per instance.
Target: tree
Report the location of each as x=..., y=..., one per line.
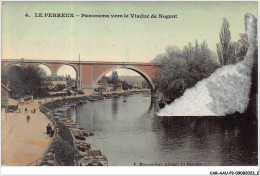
x=184, y=68
x=223, y=47
x=68, y=82
x=25, y=80
x=34, y=81
x=126, y=86
x=243, y=46
x=15, y=78
x=114, y=78
x=3, y=77
x=230, y=52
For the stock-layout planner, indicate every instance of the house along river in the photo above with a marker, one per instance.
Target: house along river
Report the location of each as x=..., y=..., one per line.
x=129, y=133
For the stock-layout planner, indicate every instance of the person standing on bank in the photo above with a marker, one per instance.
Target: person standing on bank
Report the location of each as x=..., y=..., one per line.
x=28, y=118
x=48, y=128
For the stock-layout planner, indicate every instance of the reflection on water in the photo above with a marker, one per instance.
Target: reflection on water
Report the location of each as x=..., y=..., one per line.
x=130, y=133
x=114, y=108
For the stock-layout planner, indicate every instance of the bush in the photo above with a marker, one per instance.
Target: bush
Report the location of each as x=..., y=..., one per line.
x=65, y=152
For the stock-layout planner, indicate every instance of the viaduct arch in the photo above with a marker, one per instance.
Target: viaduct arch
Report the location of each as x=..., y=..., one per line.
x=142, y=73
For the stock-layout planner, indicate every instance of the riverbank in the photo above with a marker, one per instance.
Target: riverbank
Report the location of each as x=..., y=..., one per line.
x=70, y=146
x=23, y=143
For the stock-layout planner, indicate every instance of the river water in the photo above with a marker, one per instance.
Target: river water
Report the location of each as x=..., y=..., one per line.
x=129, y=133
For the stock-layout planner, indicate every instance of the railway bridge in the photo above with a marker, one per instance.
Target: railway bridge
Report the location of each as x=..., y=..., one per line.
x=90, y=72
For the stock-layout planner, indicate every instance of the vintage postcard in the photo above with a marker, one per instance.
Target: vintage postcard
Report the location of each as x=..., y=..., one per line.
x=129, y=84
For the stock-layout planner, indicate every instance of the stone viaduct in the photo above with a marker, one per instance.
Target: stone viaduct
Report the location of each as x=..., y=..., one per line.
x=90, y=72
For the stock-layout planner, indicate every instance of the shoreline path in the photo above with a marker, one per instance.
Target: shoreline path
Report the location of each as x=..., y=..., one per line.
x=23, y=142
